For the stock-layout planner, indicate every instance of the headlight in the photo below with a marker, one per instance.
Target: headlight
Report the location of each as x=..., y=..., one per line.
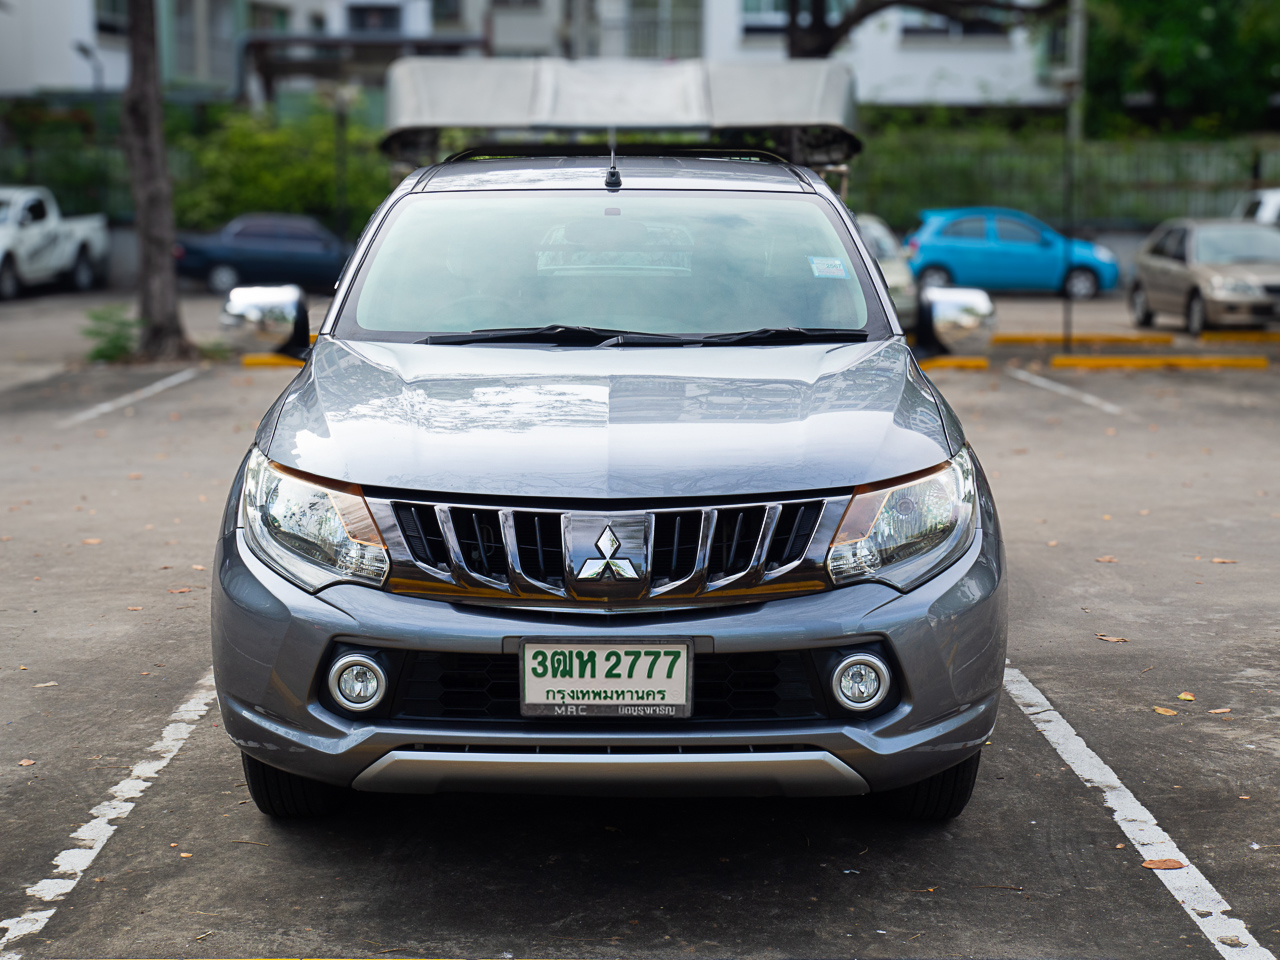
x=1103, y=253
x=313, y=534
x=1235, y=287
x=904, y=534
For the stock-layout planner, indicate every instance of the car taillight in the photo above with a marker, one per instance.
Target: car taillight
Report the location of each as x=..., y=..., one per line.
x=179, y=251
x=913, y=245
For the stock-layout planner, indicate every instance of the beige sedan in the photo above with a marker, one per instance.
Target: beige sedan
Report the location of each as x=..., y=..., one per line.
x=888, y=252
x=1208, y=272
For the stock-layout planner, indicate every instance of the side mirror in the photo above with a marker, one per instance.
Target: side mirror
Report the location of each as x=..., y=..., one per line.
x=268, y=318
x=963, y=319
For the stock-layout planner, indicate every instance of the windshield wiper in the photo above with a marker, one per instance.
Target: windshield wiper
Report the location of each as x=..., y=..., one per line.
x=785, y=335
x=560, y=334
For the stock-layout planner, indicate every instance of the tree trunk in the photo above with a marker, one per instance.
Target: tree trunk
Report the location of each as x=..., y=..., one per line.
x=162, y=336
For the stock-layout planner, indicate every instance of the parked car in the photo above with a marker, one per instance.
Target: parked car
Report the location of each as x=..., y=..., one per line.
x=1207, y=272
x=1262, y=206
x=610, y=481
x=39, y=245
x=892, y=258
x=998, y=249
x=263, y=248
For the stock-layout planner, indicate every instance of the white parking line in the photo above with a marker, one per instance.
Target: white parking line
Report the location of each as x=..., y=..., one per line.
x=74, y=861
x=1044, y=383
x=1204, y=905
x=97, y=410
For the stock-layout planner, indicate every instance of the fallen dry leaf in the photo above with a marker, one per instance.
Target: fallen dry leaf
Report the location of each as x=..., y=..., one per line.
x=1163, y=864
x=173, y=845
x=1103, y=636
x=181, y=590
x=133, y=608
x=51, y=683
x=91, y=541
x=197, y=566
x=1220, y=560
x=1111, y=431
x=188, y=856
x=1106, y=558
x=1186, y=695
x=1144, y=513
x=26, y=763
x=1052, y=543
x=1106, y=516
x=1119, y=846
x=135, y=476
x=1231, y=941
x=1221, y=710
x=1165, y=711
x=145, y=673
x=1243, y=798
x=99, y=879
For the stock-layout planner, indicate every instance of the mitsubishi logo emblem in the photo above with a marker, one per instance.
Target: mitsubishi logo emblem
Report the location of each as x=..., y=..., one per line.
x=619, y=569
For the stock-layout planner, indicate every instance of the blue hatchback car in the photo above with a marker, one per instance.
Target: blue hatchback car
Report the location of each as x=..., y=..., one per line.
x=999, y=249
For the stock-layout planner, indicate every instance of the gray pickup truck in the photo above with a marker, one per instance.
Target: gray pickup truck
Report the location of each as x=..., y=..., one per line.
x=610, y=479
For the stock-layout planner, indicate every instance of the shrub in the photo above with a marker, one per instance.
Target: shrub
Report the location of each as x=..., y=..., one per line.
x=114, y=334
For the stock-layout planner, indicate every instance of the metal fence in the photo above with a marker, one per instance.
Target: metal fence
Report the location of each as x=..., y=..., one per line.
x=1119, y=185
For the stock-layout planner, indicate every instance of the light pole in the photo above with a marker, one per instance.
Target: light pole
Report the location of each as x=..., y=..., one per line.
x=99, y=118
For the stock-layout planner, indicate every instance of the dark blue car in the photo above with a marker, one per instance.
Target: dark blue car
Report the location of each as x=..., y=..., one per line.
x=999, y=249
x=264, y=248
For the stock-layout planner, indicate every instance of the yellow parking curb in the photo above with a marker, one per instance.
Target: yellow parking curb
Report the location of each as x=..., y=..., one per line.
x=1160, y=339
x=1242, y=336
x=1186, y=361
x=269, y=360
x=949, y=362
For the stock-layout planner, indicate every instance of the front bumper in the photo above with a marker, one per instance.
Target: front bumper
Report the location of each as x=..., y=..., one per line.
x=271, y=641
x=1238, y=309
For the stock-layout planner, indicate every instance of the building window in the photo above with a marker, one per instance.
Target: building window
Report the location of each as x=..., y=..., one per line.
x=373, y=19
x=918, y=23
x=317, y=22
x=113, y=15
x=222, y=40
x=184, y=38
x=268, y=17
x=518, y=4
x=446, y=11
x=665, y=28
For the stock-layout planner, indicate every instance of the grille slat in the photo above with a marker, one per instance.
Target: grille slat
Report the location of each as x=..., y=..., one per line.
x=791, y=536
x=422, y=532
x=479, y=534
x=733, y=541
x=675, y=545
x=732, y=686
x=540, y=547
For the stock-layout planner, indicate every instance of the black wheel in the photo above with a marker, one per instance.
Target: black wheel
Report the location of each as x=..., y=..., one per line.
x=1140, y=306
x=935, y=277
x=223, y=277
x=82, y=273
x=287, y=795
x=1081, y=283
x=942, y=797
x=1196, y=316
x=10, y=285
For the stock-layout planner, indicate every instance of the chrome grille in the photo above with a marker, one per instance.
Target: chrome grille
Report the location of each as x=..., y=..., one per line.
x=609, y=559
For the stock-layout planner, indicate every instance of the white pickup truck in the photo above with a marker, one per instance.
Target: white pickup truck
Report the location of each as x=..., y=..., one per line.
x=39, y=245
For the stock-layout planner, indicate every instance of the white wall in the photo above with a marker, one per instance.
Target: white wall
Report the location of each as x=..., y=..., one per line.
x=37, y=52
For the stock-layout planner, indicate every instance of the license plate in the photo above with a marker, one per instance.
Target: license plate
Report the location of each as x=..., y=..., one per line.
x=641, y=678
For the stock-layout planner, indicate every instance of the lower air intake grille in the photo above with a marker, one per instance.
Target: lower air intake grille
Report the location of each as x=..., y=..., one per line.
x=732, y=686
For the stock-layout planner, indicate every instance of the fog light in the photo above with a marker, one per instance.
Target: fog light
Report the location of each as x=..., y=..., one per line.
x=861, y=681
x=357, y=682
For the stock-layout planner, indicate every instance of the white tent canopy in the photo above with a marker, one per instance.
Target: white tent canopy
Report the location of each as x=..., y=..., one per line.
x=550, y=95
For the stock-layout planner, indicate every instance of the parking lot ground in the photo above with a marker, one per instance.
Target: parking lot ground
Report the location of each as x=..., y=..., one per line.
x=121, y=511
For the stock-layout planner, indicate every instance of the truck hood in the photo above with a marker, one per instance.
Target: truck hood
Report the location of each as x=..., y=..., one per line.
x=534, y=421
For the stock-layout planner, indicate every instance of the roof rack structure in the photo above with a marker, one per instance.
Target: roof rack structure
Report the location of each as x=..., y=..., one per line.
x=800, y=110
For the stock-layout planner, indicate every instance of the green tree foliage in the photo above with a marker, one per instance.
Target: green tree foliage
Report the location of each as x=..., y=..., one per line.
x=249, y=164
x=1192, y=67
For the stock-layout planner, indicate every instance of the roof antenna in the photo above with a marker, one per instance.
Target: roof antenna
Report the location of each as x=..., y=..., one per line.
x=613, y=179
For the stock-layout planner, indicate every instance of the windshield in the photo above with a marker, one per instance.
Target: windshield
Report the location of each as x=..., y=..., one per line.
x=1237, y=243
x=686, y=263
x=878, y=238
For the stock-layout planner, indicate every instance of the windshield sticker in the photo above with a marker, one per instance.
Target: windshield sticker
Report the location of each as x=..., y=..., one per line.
x=831, y=267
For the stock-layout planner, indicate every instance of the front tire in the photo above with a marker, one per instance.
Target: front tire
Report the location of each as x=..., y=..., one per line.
x=288, y=796
x=942, y=797
x=935, y=277
x=1140, y=306
x=83, y=275
x=223, y=277
x=1196, y=314
x=1081, y=284
x=10, y=285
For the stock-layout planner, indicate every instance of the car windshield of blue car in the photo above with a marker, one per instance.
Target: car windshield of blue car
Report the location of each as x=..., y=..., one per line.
x=682, y=264
x=1237, y=243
